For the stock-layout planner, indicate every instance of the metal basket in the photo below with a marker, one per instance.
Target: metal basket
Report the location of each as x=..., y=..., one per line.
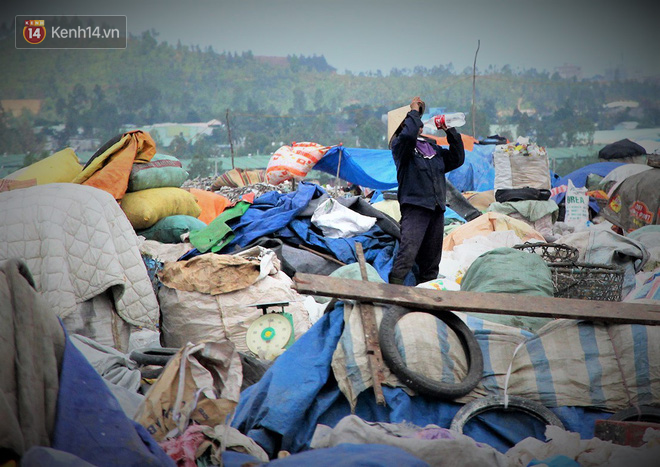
x=587, y=281
x=551, y=252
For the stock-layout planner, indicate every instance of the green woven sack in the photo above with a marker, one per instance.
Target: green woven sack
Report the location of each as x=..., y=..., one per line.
x=161, y=171
x=170, y=229
x=507, y=270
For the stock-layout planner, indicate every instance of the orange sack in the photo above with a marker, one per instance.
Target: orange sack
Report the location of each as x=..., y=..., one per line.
x=212, y=204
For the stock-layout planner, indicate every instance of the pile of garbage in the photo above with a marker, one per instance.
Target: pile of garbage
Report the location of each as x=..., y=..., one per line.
x=181, y=315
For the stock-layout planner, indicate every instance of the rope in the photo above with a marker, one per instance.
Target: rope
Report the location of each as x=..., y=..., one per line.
x=508, y=374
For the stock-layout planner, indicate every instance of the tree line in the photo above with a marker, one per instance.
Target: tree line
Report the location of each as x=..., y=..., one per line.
x=99, y=93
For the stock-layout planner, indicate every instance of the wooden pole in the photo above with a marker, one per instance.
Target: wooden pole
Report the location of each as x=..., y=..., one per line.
x=370, y=328
x=474, y=88
x=480, y=302
x=231, y=144
x=341, y=151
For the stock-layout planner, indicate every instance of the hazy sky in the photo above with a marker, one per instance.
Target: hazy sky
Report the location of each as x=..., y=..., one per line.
x=363, y=35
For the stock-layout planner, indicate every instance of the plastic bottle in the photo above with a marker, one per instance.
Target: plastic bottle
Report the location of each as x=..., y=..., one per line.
x=451, y=120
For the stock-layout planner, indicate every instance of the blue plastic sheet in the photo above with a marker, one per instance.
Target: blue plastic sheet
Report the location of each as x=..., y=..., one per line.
x=282, y=410
x=477, y=172
x=374, y=168
x=271, y=212
x=91, y=424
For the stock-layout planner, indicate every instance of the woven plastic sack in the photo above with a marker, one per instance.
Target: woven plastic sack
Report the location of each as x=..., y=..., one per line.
x=161, y=171
x=170, y=228
x=293, y=161
x=61, y=167
x=145, y=208
x=577, y=205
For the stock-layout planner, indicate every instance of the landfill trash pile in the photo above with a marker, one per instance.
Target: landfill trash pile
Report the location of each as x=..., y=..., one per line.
x=162, y=320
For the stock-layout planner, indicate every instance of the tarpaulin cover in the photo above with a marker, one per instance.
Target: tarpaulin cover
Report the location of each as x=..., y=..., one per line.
x=579, y=179
x=477, y=173
x=91, y=424
x=271, y=212
x=374, y=168
x=281, y=411
x=342, y=455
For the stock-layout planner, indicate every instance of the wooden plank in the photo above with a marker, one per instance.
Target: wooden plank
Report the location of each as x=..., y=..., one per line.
x=370, y=328
x=504, y=304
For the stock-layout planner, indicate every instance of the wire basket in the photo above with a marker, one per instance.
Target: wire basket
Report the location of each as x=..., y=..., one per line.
x=550, y=252
x=587, y=281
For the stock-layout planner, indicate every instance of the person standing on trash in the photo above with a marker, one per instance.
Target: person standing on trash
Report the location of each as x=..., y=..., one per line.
x=421, y=166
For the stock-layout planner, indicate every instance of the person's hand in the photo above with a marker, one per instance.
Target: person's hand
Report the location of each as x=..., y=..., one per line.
x=418, y=105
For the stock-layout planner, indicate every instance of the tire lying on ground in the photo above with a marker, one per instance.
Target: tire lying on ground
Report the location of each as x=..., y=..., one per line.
x=517, y=404
x=153, y=355
x=418, y=382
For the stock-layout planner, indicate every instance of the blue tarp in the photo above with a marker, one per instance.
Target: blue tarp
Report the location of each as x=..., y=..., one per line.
x=281, y=411
x=374, y=168
x=477, y=173
x=579, y=179
x=91, y=424
x=271, y=212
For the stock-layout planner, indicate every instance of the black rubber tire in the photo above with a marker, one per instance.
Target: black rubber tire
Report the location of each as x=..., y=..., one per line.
x=518, y=404
x=151, y=372
x=153, y=355
x=418, y=382
x=646, y=413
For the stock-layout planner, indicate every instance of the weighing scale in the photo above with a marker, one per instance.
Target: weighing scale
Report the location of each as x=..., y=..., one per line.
x=270, y=334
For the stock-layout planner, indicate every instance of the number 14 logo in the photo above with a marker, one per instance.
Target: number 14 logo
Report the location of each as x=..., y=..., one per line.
x=34, y=31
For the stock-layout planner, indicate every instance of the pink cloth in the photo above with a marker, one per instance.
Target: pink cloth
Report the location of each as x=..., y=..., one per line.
x=183, y=448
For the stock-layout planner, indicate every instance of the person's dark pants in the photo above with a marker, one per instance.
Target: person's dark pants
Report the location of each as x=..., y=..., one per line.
x=422, y=231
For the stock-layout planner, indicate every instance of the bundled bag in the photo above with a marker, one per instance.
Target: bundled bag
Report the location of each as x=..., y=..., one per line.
x=293, y=161
x=146, y=207
x=170, y=228
x=337, y=221
x=160, y=172
x=521, y=164
x=61, y=167
x=201, y=382
x=577, y=205
x=522, y=194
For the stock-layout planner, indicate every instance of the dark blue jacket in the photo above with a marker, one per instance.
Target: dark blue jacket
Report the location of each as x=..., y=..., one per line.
x=421, y=180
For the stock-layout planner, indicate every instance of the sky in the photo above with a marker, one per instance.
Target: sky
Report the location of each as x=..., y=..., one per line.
x=371, y=35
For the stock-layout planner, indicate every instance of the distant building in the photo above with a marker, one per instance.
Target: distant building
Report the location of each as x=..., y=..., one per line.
x=166, y=132
x=17, y=106
x=275, y=61
x=567, y=71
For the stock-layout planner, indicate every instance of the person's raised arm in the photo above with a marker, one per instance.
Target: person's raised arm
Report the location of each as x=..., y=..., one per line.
x=456, y=155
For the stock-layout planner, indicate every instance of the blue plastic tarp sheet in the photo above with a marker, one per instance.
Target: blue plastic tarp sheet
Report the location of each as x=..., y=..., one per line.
x=91, y=424
x=477, y=172
x=271, y=212
x=379, y=247
x=374, y=168
x=342, y=455
x=299, y=391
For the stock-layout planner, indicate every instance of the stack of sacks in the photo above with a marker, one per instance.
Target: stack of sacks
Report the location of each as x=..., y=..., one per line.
x=156, y=205
x=213, y=296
